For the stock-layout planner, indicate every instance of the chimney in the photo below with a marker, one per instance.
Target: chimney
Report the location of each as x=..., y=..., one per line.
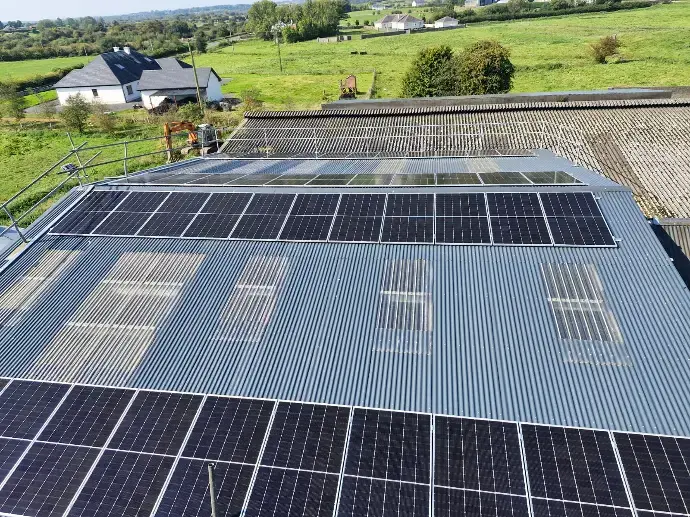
x=127, y=50
x=116, y=49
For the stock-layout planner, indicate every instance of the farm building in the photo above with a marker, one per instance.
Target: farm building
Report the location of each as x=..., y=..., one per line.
x=446, y=21
x=398, y=22
x=418, y=3
x=413, y=313
x=178, y=85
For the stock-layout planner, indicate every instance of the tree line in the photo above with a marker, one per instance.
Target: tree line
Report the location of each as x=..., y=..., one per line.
x=296, y=22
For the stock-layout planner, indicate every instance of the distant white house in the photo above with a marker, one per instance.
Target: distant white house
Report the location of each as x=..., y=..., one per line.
x=378, y=7
x=446, y=21
x=398, y=22
x=178, y=85
x=112, y=77
x=417, y=3
x=478, y=3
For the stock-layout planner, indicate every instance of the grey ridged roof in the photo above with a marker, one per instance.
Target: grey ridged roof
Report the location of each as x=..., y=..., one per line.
x=172, y=79
x=109, y=69
x=173, y=63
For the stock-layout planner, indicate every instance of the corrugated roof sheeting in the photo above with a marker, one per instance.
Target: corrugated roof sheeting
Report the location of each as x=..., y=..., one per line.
x=674, y=235
x=494, y=351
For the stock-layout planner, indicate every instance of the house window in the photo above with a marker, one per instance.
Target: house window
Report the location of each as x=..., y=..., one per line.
x=129, y=89
x=113, y=328
x=94, y=92
x=583, y=318
x=253, y=299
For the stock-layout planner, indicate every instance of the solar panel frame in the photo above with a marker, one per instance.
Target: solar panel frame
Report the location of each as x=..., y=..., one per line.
x=10, y=452
x=258, y=227
x=557, y=508
x=520, y=231
x=503, y=178
x=551, y=178
x=514, y=204
x=270, y=204
x=79, y=223
x=146, y=202
x=101, y=201
x=570, y=204
x=453, y=502
x=21, y=420
x=458, y=178
x=366, y=497
x=212, y=226
x=306, y=228
x=461, y=205
x=413, y=180
x=122, y=223
x=362, y=205
x=226, y=203
x=410, y=205
x=355, y=229
x=462, y=231
x=184, y=202
x=315, y=204
x=166, y=224
x=408, y=230
x=580, y=231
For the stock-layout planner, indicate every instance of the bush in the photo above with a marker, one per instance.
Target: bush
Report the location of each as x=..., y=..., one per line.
x=250, y=99
x=75, y=113
x=190, y=112
x=605, y=47
x=485, y=68
x=102, y=118
x=13, y=102
x=432, y=74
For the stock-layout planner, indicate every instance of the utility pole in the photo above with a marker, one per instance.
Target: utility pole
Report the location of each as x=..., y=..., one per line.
x=196, y=77
x=280, y=61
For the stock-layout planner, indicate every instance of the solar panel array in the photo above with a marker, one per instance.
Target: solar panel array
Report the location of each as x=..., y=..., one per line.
x=92, y=451
x=511, y=218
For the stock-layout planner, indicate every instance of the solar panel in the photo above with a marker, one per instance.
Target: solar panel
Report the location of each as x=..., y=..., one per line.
x=513, y=204
x=46, y=479
x=449, y=502
x=573, y=204
x=142, y=202
x=658, y=471
x=413, y=179
x=307, y=436
x=315, y=204
x=408, y=229
x=460, y=205
x=184, y=202
x=410, y=205
x=229, y=429
x=87, y=416
x=10, y=451
x=156, y=422
x=519, y=230
x=123, y=484
x=573, y=465
x=546, y=508
x=478, y=455
x=79, y=222
x=550, y=178
x=389, y=445
x=258, y=227
x=165, y=224
x=255, y=179
x=332, y=179
x=279, y=493
x=187, y=494
x=457, y=179
x=371, y=179
x=580, y=231
x=462, y=230
x=215, y=179
x=503, y=178
x=25, y=406
x=100, y=201
x=270, y=204
x=122, y=223
x=306, y=228
x=216, y=226
x=355, y=229
x=363, y=497
x=292, y=179
x=233, y=203
x=361, y=205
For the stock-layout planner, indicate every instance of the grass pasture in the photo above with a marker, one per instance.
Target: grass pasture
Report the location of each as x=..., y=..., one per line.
x=19, y=70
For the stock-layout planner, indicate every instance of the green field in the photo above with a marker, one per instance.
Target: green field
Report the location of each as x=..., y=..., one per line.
x=19, y=70
x=549, y=53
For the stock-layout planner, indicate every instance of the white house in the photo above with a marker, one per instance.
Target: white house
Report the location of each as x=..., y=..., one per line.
x=398, y=22
x=378, y=7
x=418, y=3
x=178, y=85
x=446, y=21
x=111, y=78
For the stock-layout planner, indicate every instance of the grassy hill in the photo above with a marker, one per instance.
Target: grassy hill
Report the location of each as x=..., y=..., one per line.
x=19, y=70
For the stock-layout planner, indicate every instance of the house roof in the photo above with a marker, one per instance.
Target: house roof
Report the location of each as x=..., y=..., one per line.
x=109, y=69
x=175, y=78
x=172, y=63
x=399, y=18
x=446, y=19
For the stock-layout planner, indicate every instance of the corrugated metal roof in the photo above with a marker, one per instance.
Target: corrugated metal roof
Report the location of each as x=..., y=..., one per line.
x=674, y=235
x=491, y=348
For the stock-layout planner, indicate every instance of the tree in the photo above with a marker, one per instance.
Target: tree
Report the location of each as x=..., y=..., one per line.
x=485, y=68
x=200, y=42
x=13, y=102
x=261, y=17
x=432, y=74
x=75, y=113
x=515, y=6
x=102, y=118
x=605, y=47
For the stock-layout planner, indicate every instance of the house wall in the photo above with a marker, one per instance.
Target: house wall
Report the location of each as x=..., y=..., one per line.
x=407, y=25
x=213, y=92
x=106, y=94
x=454, y=23
x=150, y=101
x=136, y=95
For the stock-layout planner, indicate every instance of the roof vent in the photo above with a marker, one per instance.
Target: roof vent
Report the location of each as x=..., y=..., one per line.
x=128, y=50
x=116, y=49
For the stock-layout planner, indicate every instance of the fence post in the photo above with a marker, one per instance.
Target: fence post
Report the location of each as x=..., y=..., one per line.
x=76, y=154
x=14, y=223
x=124, y=162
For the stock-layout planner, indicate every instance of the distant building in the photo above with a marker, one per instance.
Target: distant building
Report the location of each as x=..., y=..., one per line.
x=418, y=3
x=478, y=3
x=398, y=22
x=177, y=85
x=446, y=21
x=378, y=7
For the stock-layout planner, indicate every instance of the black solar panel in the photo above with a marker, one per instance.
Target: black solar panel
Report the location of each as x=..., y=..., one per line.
x=462, y=230
x=449, y=502
x=413, y=179
x=46, y=479
x=10, y=451
x=658, y=471
x=79, y=222
x=306, y=228
x=315, y=204
x=187, y=494
x=580, y=231
x=270, y=204
x=519, y=230
x=389, y=445
x=574, y=204
x=573, y=464
x=513, y=204
x=363, y=497
x=547, y=508
x=142, y=202
x=227, y=203
x=255, y=179
x=87, y=416
x=25, y=406
x=503, y=178
x=408, y=205
x=408, y=229
x=332, y=179
x=101, y=201
x=156, y=422
x=372, y=179
x=550, y=178
x=361, y=205
x=122, y=223
x=356, y=229
x=292, y=179
x=123, y=484
x=216, y=226
x=280, y=493
x=258, y=227
x=184, y=202
x=478, y=455
x=457, y=179
x=308, y=437
x=229, y=429
x=165, y=224
x=460, y=205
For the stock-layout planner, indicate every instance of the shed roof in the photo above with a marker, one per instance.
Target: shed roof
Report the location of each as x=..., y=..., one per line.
x=109, y=69
x=175, y=78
